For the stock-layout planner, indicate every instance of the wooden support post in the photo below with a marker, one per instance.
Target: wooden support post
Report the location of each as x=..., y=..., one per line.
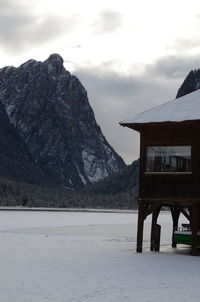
x=175, y=211
x=194, y=225
x=140, y=227
x=155, y=230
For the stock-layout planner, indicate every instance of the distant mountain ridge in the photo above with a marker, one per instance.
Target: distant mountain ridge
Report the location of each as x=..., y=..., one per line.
x=190, y=84
x=125, y=181
x=49, y=109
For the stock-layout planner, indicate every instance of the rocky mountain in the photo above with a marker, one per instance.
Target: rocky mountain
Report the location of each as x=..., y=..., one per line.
x=15, y=161
x=125, y=181
x=190, y=84
x=49, y=109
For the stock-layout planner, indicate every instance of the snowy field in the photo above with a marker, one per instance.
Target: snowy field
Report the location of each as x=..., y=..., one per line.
x=90, y=257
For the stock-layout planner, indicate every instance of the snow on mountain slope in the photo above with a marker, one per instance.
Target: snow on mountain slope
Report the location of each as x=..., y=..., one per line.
x=50, y=110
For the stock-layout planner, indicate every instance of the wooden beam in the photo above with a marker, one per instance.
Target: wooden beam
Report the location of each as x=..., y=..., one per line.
x=155, y=230
x=150, y=208
x=183, y=211
x=194, y=224
x=140, y=227
x=175, y=211
x=182, y=202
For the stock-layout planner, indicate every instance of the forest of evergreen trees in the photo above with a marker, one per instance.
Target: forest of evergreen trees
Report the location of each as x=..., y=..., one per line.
x=13, y=193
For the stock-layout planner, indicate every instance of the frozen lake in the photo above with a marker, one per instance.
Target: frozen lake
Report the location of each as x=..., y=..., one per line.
x=90, y=257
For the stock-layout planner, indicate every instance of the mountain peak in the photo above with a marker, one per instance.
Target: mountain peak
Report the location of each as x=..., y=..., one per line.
x=190, y=84
x=54, y=63
x=55, y=58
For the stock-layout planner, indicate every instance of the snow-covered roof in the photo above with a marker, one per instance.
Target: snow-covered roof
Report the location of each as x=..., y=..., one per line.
x=184, y=108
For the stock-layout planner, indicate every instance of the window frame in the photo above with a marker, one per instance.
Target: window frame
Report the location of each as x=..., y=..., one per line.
x=163, y=172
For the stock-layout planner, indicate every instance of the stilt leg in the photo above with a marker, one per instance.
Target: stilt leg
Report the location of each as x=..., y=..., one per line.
x=194, y=228
x=140, y=227
x=157, y=237
x=155, y=231
x=175, y=217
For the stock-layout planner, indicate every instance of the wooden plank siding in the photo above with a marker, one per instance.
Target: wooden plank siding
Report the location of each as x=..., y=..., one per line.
x=170, y=185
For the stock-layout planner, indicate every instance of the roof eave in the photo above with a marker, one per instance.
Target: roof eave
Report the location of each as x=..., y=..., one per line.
x=141, y=126
x=134, y=126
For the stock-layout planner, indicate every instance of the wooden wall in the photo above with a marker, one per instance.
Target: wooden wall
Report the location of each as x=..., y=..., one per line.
x=161, y=185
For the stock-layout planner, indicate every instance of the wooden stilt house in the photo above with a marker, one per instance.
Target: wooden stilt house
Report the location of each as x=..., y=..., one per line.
x=170, y=168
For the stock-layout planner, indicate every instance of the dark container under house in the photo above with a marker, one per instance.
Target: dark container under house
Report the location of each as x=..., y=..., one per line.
x=170, y=168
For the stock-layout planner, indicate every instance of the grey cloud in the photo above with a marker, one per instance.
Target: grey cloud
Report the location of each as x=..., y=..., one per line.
x=52, y=27
x=115, y=97
x=107, y=21
x=21, y=28
x=74, y=46
x=8, y=5
x=173, y=66
x=184, y=45
x=14, y=19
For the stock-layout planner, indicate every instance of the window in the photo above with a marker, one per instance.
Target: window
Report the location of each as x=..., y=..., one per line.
x=168, y=159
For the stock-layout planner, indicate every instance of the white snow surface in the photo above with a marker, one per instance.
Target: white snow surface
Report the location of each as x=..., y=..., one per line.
x=185, y=108
x=90, y=257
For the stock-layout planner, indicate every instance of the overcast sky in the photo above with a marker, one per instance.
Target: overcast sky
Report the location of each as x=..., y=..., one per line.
x=130, y=55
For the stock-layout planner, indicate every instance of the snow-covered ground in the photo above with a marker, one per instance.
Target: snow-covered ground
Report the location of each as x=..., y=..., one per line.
x=90, y=257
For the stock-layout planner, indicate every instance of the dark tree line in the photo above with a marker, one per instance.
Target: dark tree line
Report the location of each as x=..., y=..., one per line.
x=13, y=193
